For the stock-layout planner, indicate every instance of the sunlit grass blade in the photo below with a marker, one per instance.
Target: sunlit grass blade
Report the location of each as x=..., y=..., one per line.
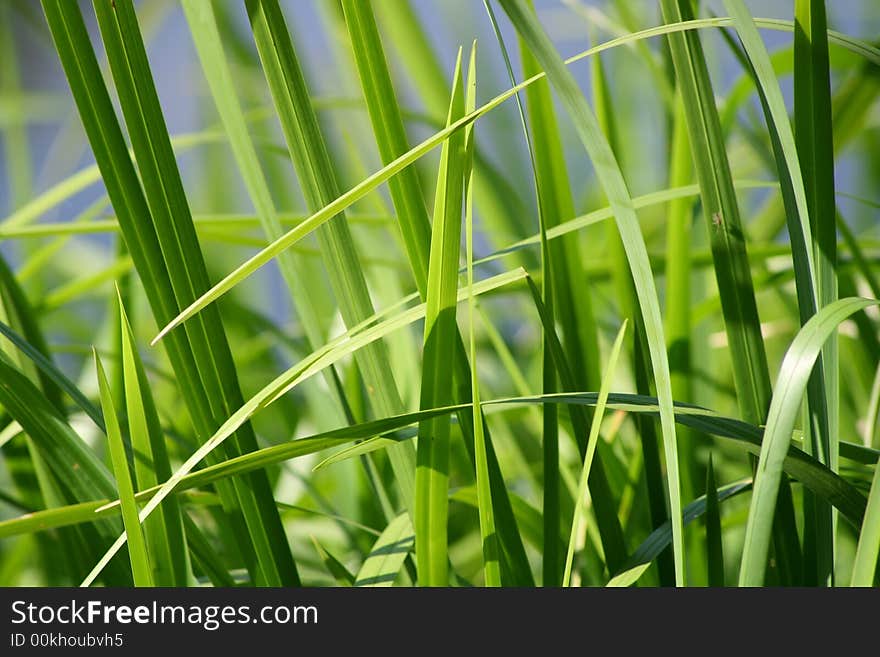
x=432, y=469
x=679, y=298
x=485, y=507
x=620, y=200
x=164, y=530
x=790, y=386
x=141, y=569
x=865, y=565
x=386, y=558
x=580, y=500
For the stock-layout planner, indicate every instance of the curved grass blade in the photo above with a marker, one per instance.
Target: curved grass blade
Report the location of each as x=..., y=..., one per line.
x=551, y=488
x=790, y=385
x=626, y=298
x=818, y=542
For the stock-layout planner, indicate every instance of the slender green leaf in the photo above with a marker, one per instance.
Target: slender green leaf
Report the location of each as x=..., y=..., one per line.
x=432, y=469
x=714, y=549
x=388, y=554
x=790, y=385
x=164, y=530
x=662, y=536
x=580, y=500
x=137, y=547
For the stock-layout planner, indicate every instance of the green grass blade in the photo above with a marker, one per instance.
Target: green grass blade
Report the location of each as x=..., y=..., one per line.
x=206, y=36
x=432, y=469
x=164, y=530
x=410, y=42
x=868, y=548
x=619, y=198
x=790, y=386
x=386, y=558
x=391, y=139
x=551, y=567
x=721, y=210
x=661, y=537
x=818, y=543
x=315, y=171
x=35, y=483
x=19, y=315
x=167, y=201
x=679, y=272
x=137, y=547
x=485, y=507
x=626, y=298
x=406, y=195
x=56, y=376
x=815, y=149
x=335, y=567
x=580, y=500
x=714, y=548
